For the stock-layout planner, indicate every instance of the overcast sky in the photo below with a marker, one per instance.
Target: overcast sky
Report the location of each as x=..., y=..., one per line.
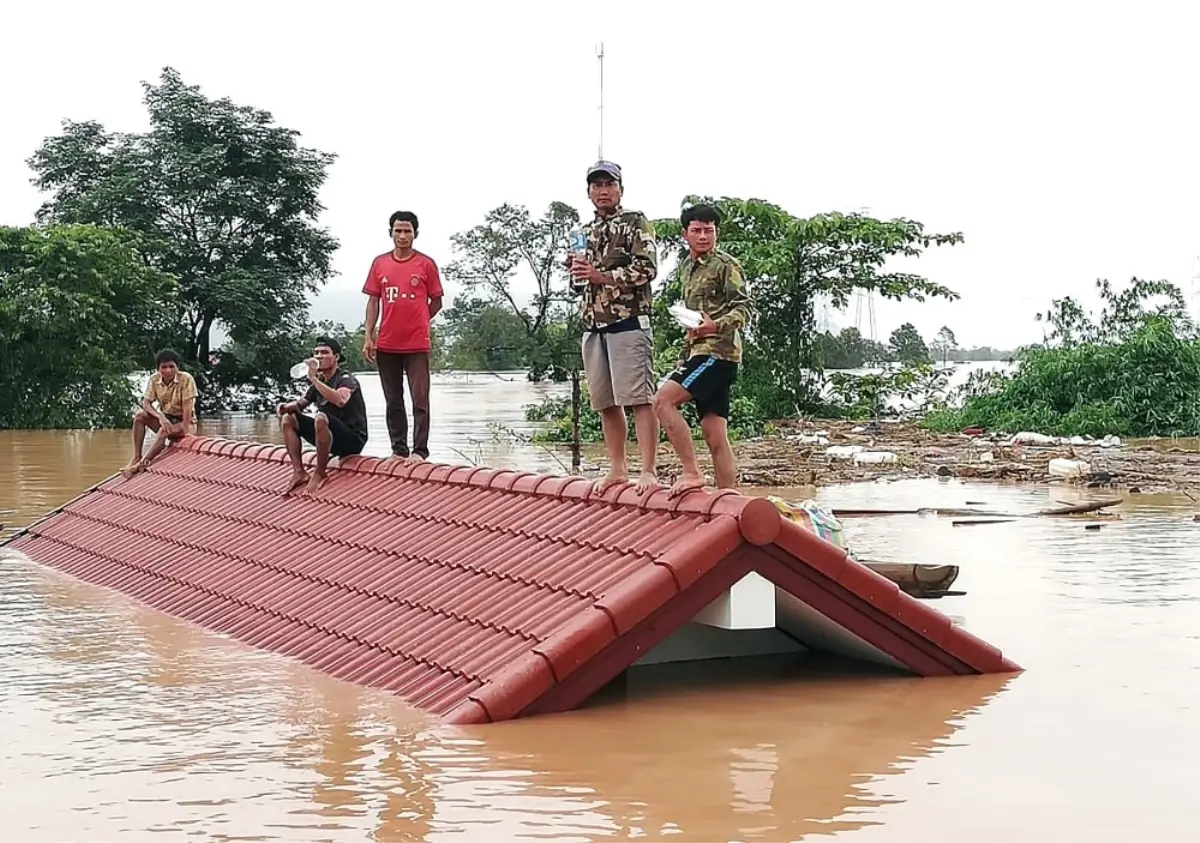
x=1060, y=138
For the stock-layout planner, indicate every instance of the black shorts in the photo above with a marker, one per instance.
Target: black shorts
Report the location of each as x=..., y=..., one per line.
x=346, y=443
x=709, y=381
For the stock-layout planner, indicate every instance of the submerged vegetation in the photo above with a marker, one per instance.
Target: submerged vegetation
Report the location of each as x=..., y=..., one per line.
x=1133, y=370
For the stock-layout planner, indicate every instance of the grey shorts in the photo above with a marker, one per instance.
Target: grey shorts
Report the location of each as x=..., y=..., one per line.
x=619, y=368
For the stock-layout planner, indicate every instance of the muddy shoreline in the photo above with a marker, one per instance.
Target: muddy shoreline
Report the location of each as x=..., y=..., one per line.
x=799, y=456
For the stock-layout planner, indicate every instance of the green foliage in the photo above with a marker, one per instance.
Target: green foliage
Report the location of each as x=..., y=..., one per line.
x=350, y=341
x=554, y=414
x=1134, y=371
x=1121, y=313
x=78, y=313
x=849, y=349
x=788, y=262
x=253, y=365
x=906, y=345
x=226, y=202
x=869, y=396
x=944, y=343
x=495, y=323
x=484, y=337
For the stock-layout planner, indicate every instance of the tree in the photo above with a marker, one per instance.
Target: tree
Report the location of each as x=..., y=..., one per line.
x=1132, y=371
x=485, y=337
x=490, y=257
x=944, y=343
x=509, y=240
x=847, y=350
x=1121, y=313
x=350, y=341
x=79, y=311
x=907, y=346
x=788, y=261
x=225, y=201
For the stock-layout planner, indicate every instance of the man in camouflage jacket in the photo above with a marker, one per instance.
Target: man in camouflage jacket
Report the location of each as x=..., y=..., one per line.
x=712, y=284
x=613, y=280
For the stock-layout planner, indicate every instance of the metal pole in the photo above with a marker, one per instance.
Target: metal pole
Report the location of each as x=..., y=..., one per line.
x=576, y=403
x=600, y=56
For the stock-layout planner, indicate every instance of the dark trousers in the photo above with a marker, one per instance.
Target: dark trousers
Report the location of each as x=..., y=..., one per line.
x=392, y=371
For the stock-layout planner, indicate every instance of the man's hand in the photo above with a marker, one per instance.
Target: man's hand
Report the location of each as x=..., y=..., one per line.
x=287, y=409
x=175, y=429
x=705, y=329
x=368, y=350
x=312, y=368
x=581, y=270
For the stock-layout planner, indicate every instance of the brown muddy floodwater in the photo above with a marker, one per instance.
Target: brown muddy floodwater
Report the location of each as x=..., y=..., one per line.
x=119, y=723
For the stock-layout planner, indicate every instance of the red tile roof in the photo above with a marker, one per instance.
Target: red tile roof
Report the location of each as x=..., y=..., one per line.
x=475, y=594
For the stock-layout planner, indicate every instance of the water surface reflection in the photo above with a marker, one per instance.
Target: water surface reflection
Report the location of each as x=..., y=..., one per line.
x=121, y=723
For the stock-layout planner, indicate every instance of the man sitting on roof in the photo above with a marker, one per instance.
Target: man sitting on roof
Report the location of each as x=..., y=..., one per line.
x=338, y=428
x=175, y=416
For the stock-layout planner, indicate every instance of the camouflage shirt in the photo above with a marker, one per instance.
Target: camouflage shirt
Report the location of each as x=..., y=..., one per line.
x=713, y=284
x=623, y=246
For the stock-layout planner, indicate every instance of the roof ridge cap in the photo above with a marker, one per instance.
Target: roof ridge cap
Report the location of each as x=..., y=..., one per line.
x=757, y=518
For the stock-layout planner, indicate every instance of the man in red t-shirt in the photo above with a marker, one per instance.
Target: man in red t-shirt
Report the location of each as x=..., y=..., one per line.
x=404, y=285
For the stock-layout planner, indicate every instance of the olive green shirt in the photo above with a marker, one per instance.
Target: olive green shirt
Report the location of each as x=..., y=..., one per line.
x=714, y=285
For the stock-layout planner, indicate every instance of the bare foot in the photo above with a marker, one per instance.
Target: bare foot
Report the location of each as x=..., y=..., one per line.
x=398, y=457
x=415, y=459
x=646, y=482
x=316, y=482
x=133, y=468
x=685, y=484
x=299, y=478
x=607, y=481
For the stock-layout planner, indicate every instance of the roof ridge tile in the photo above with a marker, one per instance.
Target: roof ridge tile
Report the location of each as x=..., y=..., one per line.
x=424, y=471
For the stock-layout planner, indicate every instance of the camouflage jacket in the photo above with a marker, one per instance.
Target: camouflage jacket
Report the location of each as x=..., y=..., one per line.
x=623, y=246
x=713, y=284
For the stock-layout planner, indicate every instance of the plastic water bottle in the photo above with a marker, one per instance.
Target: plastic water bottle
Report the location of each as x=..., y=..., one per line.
x=578, y=249
x=578, y=242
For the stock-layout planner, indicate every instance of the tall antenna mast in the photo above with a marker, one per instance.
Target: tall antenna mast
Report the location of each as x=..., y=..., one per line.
x=600, y=56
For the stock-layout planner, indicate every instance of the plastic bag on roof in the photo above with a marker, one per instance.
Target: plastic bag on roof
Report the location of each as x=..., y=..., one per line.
x=816, y=519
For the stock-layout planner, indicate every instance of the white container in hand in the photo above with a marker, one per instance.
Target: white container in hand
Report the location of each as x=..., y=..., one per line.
x=685, y=316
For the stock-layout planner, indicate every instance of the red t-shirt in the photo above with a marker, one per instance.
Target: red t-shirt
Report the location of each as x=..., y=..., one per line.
x=404, y=289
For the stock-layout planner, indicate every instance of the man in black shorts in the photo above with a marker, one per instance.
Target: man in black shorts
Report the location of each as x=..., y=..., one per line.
x=712, y=284
x=338, y=428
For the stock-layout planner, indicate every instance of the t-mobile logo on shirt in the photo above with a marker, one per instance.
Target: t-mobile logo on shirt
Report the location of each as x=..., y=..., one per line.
x=404, y=327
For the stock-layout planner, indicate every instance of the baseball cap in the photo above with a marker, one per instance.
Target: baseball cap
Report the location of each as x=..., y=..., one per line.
x=608, y=168
x=333, y=345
